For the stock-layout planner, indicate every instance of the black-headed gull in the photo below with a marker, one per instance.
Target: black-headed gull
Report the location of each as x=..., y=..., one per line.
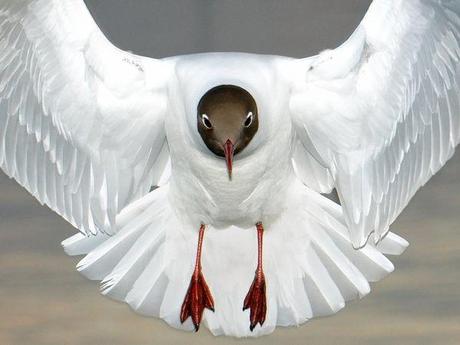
x=240, y=147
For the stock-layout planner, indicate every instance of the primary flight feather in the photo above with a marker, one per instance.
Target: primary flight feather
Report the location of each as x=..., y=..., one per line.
x=239, y=146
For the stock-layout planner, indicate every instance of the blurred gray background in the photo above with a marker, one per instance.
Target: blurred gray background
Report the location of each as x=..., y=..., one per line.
x=43, y=300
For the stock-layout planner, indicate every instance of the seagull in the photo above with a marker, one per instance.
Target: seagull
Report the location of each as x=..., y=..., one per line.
x=197, y=182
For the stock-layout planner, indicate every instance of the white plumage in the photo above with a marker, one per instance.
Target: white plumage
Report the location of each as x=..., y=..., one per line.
x=88, y=129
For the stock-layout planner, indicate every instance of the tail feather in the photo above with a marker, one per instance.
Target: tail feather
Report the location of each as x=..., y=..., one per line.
x=392, y=244
x=348, y=277
x=133, y=264
x=132, y=221
x=80, y=244
x=329, y=299
x=99, y=262
x=147, y=293
x=368, y=260
x=310, y=265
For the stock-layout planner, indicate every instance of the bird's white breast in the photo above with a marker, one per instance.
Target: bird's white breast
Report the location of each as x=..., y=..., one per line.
x=200, y=185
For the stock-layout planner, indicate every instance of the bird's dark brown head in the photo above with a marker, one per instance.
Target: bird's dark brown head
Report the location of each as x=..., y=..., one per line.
x=227, y=120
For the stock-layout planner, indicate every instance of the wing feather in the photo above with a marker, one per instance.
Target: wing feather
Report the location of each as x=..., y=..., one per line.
x=81, y=127
x=386, y=121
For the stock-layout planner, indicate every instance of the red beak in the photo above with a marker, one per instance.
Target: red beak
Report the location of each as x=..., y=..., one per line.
x=229, y=150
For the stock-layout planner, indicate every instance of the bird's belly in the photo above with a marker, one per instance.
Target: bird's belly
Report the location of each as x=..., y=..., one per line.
x=250, y=197
x=243, y=206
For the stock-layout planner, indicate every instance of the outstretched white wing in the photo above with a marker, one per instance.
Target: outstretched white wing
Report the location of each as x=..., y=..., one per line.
x=382, y=111
x=81, y=122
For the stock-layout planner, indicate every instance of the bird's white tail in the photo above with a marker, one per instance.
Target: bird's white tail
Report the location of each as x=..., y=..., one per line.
x=310, y=266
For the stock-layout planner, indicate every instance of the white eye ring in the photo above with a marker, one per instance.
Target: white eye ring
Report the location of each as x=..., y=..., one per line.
x=205, y=121
x=249, y=119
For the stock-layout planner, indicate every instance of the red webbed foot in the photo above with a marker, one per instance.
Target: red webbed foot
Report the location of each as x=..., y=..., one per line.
x=198, y=298
x=256, y=301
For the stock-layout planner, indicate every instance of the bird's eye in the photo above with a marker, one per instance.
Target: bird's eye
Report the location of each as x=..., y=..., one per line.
x=206, y=122
x=249, y=119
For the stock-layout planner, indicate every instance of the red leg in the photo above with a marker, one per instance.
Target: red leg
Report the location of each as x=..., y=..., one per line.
x=198, y=296
x=256, y=300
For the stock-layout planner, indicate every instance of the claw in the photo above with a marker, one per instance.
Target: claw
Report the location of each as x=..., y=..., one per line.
x=198, y=298
x=256, y=301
